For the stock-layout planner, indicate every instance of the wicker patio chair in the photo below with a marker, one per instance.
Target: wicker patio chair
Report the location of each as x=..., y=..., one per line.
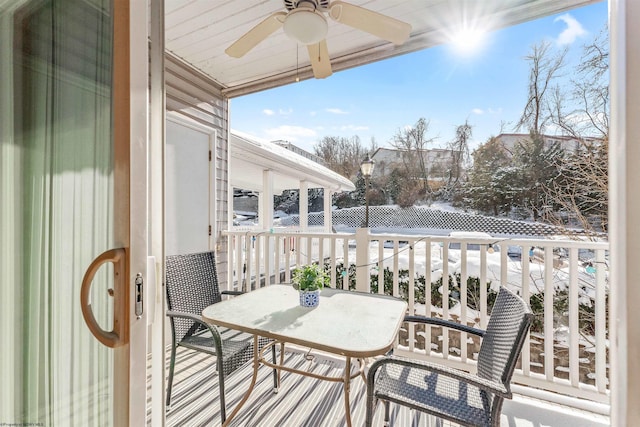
x=192, y=285
x=451, y=394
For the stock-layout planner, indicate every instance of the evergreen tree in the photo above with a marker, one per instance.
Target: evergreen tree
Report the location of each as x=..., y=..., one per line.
x=538, y=167
x=483, y=190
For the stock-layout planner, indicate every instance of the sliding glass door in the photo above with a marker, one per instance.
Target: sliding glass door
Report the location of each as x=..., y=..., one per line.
x=64, y=200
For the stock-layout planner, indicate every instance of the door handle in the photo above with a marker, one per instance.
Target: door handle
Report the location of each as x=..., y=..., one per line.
x=116, y=337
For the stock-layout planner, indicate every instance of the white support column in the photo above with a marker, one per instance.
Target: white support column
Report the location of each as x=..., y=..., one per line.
x=260, y=209
x=328, y=220
x=266, y=201
x=624, y=205
x=362, y=260
x=304, y=205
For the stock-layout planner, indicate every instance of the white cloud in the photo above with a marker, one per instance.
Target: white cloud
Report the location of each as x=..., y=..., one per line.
x=291, y=133
x=495, y=111
x=477, y=111
x=281, y=112
x=572, y=32
x=313, y=113
x=336, y=111
x=351, y=128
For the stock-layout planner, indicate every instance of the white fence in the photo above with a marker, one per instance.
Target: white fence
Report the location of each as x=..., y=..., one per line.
x=566, y=282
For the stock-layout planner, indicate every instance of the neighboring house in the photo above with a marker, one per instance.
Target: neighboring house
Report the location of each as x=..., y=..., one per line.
x=438, y=161
x=304, y=153
x=569, y=144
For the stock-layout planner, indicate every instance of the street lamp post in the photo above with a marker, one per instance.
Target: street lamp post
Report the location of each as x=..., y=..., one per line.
x=366, y=167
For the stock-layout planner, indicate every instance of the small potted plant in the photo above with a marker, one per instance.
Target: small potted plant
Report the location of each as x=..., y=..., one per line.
x=309, y=280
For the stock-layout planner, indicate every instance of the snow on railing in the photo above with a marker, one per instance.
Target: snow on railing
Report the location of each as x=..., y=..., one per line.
x=565, y=282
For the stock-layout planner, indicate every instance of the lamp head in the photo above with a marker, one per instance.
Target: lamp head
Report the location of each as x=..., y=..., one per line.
x=367, y=166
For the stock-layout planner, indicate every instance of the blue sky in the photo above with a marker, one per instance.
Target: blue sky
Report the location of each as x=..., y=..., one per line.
x=486, y=86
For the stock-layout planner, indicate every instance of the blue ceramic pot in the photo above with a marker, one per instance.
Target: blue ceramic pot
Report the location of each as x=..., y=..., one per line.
x=309, y=298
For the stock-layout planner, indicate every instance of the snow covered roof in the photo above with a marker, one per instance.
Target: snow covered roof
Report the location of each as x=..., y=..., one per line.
x=250, y=157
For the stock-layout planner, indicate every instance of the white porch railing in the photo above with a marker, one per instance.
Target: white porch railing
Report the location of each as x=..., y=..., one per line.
x=564, y=280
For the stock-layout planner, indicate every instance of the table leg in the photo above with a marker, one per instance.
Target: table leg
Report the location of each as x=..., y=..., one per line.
x=363, y=365
x=281, y=363
x=347, y=388
x=256, y=364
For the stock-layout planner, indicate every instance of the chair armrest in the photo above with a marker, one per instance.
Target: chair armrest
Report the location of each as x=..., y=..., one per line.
x=445, y=323
x=198, y=319
x=184, y=315
x=484, y=384
x=234, y=293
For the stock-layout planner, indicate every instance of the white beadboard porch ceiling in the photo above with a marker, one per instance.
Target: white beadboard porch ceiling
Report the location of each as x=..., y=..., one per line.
x=198, y=32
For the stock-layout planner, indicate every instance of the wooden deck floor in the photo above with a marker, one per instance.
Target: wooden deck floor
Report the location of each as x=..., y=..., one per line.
x=304, y=401
x=301, y=401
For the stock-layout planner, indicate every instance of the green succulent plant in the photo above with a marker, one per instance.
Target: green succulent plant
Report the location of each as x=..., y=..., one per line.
x=310, y=278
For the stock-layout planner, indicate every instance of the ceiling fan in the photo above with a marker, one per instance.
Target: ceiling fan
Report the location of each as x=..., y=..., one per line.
x=305, y=22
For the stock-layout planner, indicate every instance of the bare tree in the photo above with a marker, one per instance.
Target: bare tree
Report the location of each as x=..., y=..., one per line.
x=459, y=152
x=544, y=68
x=582, y=189
x=584, y=111
x=343, y=155
x=412, y=142
x=580, y=193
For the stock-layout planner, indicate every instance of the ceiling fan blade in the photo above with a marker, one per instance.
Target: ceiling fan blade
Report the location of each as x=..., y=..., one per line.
x=255, y=35
x=320, y=61
x=375, y=23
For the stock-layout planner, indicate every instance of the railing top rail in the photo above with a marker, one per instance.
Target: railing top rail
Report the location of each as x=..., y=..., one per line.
x=256, y=232
x=414, y=238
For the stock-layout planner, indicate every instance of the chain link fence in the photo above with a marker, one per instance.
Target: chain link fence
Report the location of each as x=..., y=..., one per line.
x=417, y=217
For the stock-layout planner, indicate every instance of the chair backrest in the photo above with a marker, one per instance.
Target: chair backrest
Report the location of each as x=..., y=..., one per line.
x=192, y=285
x=501, y=345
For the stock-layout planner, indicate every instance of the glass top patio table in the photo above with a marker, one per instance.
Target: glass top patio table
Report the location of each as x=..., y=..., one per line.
x=352, y=324
x=348, y=323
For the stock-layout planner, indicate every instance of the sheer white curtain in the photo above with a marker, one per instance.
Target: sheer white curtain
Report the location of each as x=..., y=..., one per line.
x=56, y=209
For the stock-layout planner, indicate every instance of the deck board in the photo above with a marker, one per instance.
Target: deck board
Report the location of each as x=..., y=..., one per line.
x=307, y=402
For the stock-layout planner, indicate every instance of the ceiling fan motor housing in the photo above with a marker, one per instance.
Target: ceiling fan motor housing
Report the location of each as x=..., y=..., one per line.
x=317, y=4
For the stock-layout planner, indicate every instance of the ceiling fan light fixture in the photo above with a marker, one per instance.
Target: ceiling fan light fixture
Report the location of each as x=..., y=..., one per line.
x=306, y=26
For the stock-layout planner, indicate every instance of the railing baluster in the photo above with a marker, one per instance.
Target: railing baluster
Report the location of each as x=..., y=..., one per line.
x=574, y=317
x=309, y=257
x=483, y=289
x=463, y=298
x=526, y=283
x=445, y=298
x=427, y=295
x=412, y=295
x=256, y=245
x=287, y=259
x=276, y=261
x=345, y=256
x=247, y=263
x=396, y=268
x=267, y=259
x=549, y=295
x=334, y=245
x=601, y=322
x=381, y=266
